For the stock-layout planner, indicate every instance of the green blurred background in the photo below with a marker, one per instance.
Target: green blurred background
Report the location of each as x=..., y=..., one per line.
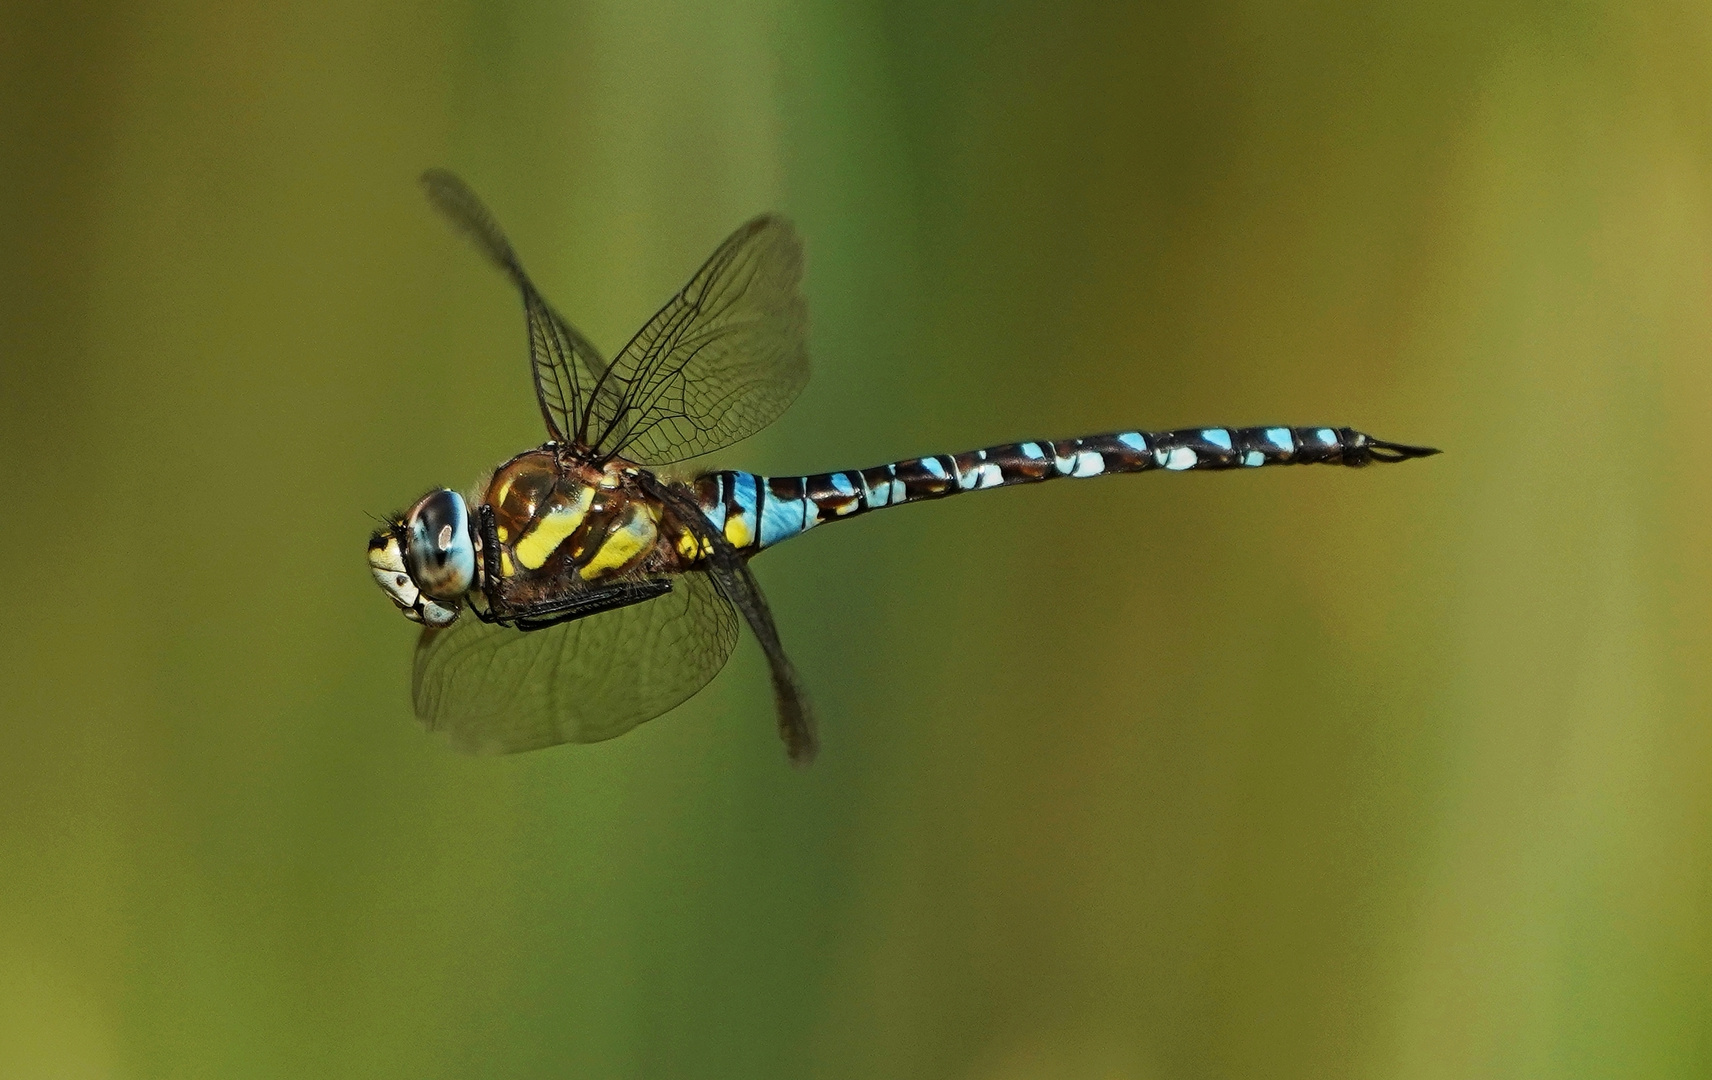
x=1402, y=773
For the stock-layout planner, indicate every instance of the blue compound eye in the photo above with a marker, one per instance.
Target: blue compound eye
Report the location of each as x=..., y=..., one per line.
x=438, y=552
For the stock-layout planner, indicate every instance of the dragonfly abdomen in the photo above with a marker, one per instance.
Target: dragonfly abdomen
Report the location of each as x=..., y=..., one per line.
x=756, y=512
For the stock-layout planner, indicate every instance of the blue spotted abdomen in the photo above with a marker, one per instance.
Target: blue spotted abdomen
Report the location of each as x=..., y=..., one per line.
x=757, y=512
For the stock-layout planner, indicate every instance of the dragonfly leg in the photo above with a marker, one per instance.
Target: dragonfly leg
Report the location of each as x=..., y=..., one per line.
x=593, y=602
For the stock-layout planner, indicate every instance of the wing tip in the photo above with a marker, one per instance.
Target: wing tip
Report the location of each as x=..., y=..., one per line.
x=802, y=752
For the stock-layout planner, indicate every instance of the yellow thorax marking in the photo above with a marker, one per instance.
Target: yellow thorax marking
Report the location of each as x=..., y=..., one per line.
x=497, y=498
x=550, y=531
x=629, y=538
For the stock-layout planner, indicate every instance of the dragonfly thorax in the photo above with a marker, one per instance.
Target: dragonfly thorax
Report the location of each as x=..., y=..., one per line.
x=559, y=520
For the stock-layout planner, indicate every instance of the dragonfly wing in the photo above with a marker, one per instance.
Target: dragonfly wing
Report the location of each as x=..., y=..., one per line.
x=568, y=369
x=729, y=571
x=720, y=361
x=495, y=690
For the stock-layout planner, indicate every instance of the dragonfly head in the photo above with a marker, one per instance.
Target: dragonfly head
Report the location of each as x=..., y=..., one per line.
x=425, y=561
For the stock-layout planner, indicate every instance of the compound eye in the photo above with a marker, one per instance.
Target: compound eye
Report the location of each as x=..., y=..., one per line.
x=438, y=551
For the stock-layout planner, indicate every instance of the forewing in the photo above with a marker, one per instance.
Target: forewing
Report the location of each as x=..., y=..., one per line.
x=720, y=361
x=567, y=368
x=494, y=690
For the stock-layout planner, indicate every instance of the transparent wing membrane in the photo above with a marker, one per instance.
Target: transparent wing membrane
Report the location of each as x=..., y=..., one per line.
x=729, y=571
x=720, y=361
x=494, y=690
x=568, y=369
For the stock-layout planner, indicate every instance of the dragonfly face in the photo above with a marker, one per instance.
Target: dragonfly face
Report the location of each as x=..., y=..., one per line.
x=426, y=560
x=579, y=594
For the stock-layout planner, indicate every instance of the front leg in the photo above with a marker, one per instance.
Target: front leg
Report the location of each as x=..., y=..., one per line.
x=584, y=603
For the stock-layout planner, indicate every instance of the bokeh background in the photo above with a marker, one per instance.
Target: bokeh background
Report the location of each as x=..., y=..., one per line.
x=1300, y=773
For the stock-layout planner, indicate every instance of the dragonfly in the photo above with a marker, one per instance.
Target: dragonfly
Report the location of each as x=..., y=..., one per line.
x=579, y=591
